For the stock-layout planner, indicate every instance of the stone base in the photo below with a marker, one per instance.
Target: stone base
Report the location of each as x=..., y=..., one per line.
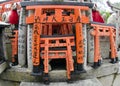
x=3, y=66
x=87, y=82
x=8, y=83
x=24, y=74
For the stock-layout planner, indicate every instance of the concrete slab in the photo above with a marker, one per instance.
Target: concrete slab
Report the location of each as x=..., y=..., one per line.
x=116, y=81
x=3, y=66
x=88, y=82
x=107, y=80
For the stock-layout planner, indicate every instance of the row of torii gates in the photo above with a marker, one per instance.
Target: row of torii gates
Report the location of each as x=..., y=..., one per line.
x=54, y=31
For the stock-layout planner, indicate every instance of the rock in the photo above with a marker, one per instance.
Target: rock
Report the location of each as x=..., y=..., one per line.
x=87, y=82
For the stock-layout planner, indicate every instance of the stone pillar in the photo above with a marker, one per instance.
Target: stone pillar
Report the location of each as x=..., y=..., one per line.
x=118, y=29
x=90, y=39
x=119, y=54
x=90, y=47
x=22, y=39
x=29, y=43
x=85, y=45
x=4, y=43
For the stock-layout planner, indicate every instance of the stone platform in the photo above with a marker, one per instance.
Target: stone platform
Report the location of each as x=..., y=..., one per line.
x=87, y=82
x=23, y=74
x=106, y=74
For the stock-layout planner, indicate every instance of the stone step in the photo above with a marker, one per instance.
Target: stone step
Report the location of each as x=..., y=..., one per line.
x=87, y=82
x=24, y=74
x=3, y=66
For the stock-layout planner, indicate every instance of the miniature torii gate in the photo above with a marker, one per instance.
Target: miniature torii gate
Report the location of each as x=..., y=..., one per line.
x=40, y=17
x=117, y=10
x=100, y=29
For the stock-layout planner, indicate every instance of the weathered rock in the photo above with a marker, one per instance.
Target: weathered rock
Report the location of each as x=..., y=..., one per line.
x=106, y=80
x=88, y=82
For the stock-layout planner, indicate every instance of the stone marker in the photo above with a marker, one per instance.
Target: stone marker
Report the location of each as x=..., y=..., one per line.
x=22, y=39
x=29, y=43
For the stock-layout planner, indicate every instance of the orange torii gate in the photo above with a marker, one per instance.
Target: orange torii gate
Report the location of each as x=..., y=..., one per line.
x=99, y=30
x=14, y=43
x=45, y=19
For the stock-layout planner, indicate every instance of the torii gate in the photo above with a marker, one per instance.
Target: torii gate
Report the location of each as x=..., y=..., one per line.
x=117, y=10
